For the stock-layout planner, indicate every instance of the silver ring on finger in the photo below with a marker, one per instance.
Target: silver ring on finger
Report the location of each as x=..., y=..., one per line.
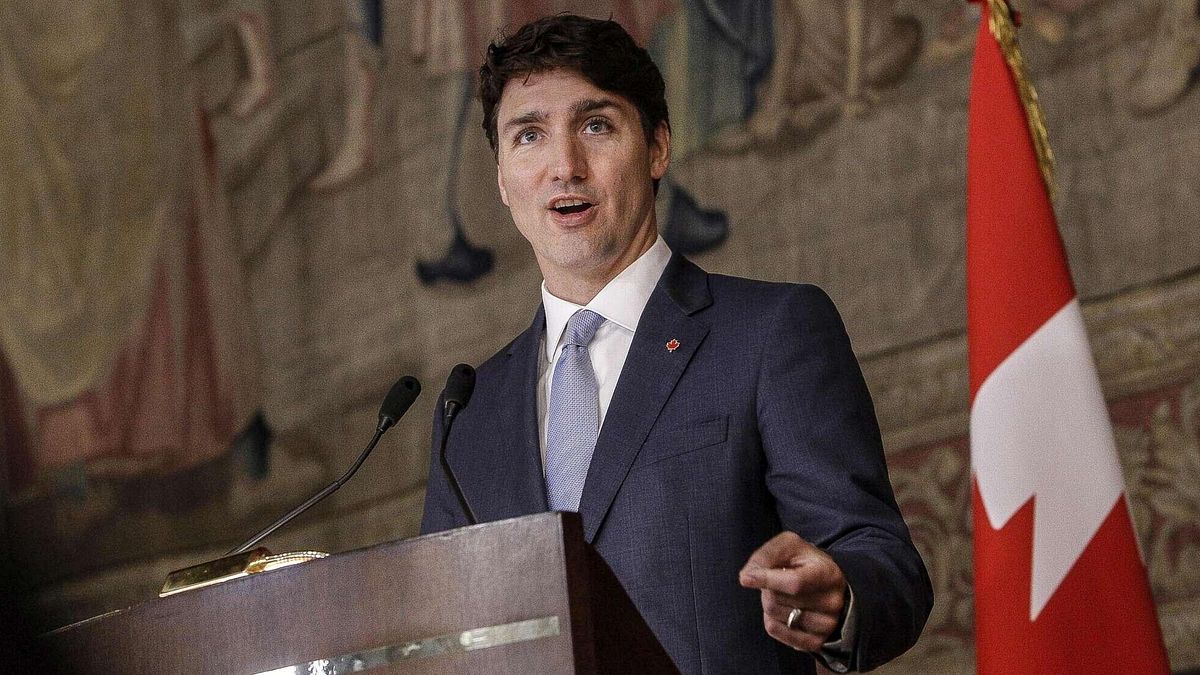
x=793, y=619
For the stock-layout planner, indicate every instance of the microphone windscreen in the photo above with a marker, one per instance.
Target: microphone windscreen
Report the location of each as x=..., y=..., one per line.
x=399, y=398
x=459, y=385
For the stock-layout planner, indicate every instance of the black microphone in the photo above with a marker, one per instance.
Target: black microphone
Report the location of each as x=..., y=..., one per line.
x=398, y=400
x=455, y=397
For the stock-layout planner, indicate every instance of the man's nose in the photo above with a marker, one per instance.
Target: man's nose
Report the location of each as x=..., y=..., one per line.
x=570, y=159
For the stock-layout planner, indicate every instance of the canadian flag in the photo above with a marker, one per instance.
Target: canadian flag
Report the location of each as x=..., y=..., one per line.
x=1059, y=582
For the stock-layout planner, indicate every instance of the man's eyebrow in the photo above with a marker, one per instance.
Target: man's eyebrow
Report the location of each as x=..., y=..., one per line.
x=581, y=108
x=589, y=105
x=530, y=117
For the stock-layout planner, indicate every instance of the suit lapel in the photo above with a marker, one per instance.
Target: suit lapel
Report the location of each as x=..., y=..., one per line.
x=647, y=379
x=501, y=476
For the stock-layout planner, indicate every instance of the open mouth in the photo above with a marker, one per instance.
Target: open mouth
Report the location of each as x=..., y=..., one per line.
x=569, y=206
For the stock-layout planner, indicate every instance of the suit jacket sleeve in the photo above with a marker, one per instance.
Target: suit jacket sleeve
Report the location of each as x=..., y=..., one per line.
x=825, y=468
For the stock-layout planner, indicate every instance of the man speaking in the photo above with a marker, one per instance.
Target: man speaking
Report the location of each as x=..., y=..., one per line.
x=715, y=434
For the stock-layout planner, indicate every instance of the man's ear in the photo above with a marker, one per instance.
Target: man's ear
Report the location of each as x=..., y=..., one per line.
x=660, y=151
x=500, y=184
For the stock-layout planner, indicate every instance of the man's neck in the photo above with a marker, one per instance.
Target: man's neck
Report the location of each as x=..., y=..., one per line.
x=580, y=289
x=576, y=290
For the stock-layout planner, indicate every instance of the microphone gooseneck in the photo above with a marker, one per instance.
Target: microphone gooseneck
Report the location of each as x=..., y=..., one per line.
x=397, y=402
x=459, y=386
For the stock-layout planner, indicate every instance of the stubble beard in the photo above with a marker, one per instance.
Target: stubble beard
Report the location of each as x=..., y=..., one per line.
x=583, y=256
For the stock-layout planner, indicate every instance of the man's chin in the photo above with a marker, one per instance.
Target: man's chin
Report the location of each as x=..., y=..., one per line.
x=582, y=260
x=576, y=261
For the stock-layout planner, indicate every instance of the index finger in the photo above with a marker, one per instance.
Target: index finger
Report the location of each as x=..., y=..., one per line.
x=806, y=585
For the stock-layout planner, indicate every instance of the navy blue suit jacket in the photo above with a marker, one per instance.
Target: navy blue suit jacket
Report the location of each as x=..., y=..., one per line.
x=759, y=421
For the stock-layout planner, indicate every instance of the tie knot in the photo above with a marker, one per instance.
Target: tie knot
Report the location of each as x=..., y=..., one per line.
x=582, y=327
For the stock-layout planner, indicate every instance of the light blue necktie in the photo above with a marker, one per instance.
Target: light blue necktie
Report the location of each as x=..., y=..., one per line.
x=573, y=420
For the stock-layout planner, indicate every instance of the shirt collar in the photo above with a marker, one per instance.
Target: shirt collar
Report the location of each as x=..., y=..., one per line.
x=621, y=301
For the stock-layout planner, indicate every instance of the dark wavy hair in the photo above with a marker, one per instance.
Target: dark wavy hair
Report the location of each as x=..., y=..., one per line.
x=599, y=50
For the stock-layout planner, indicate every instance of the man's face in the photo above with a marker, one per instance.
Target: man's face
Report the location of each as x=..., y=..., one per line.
x=575, y=169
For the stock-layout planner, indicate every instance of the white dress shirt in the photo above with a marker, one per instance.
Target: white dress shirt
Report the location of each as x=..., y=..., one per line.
x=621, y=302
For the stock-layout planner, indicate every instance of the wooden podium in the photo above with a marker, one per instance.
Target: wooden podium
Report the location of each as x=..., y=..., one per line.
x=518, y=596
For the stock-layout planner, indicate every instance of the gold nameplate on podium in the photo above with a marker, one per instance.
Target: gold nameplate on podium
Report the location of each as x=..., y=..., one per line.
x=232, y=567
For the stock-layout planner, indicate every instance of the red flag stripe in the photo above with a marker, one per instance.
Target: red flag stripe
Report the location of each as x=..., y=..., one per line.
x=1016, y=277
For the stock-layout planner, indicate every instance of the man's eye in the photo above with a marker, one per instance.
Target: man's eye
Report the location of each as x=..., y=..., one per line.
x=527, y=136
x=596, y=126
